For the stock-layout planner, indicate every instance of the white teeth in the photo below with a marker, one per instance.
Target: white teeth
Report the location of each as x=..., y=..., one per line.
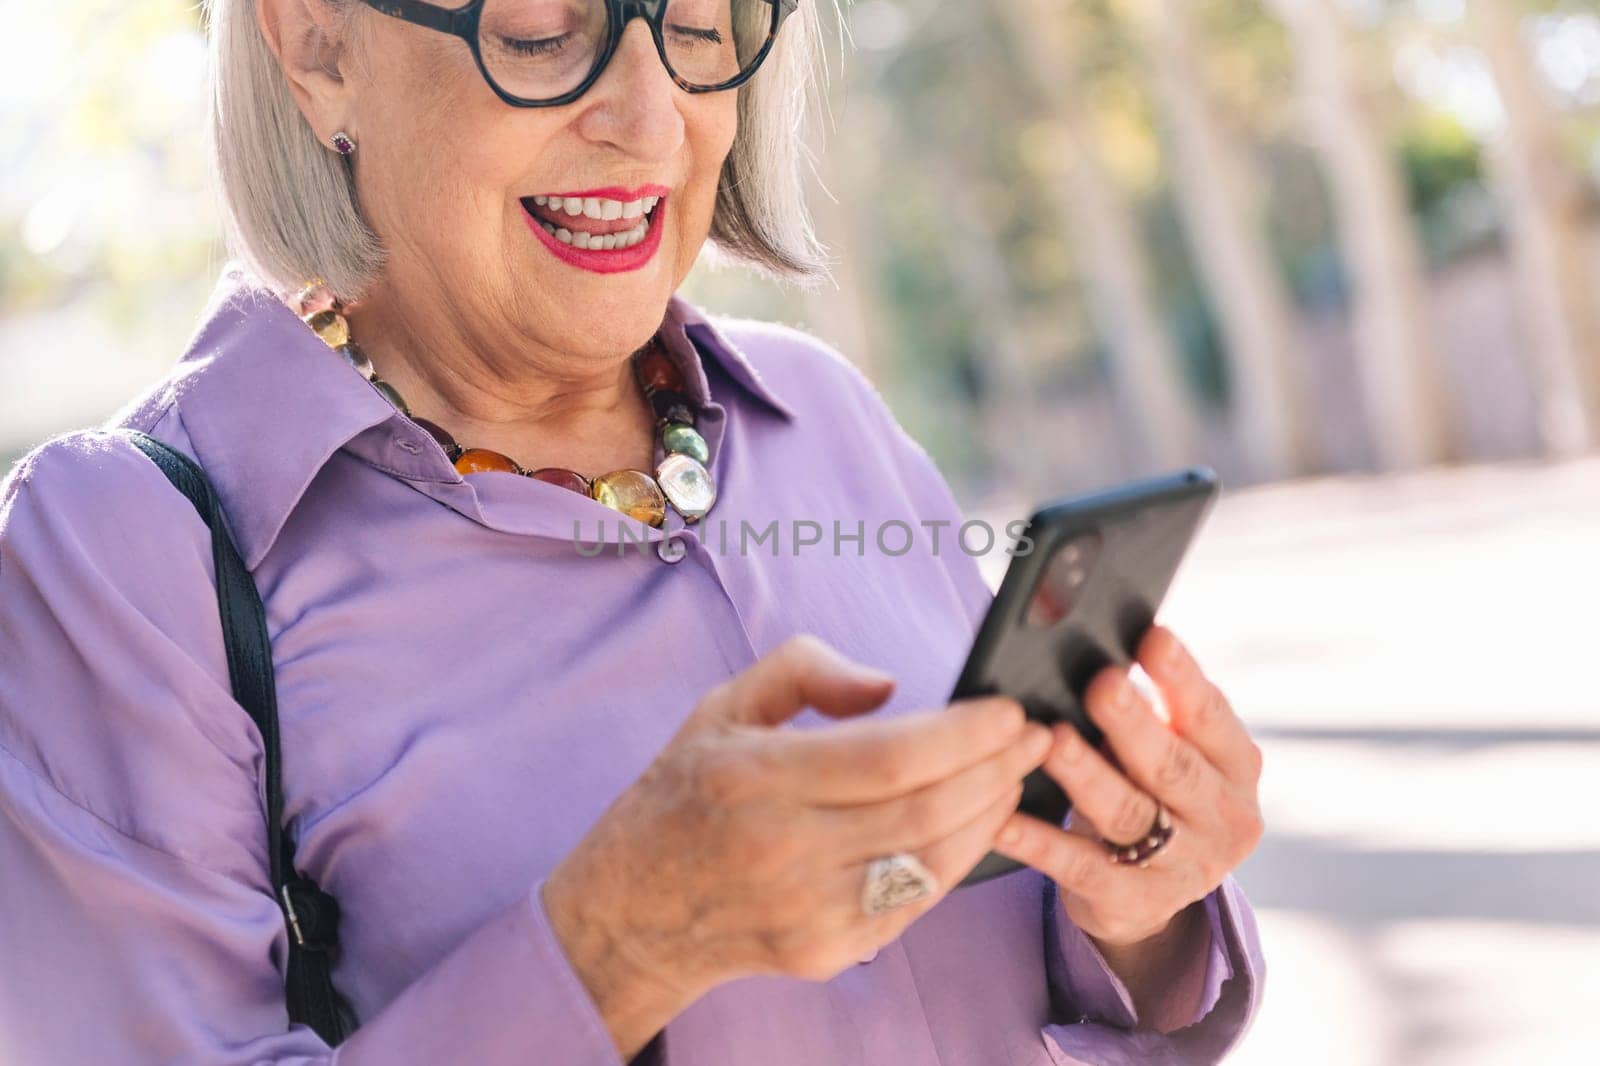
x=599, y=207
x=605, y=242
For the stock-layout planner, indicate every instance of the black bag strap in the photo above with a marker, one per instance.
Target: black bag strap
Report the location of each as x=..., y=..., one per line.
x=311, y=914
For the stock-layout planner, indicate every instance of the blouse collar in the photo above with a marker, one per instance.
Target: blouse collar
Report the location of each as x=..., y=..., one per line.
x=266, y=404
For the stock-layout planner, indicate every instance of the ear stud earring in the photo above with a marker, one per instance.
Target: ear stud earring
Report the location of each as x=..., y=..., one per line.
x=342, y=143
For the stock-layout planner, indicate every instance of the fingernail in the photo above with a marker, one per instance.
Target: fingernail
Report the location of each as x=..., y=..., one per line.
x=1038, y=739
x=1173, y=656
x=1071, y=748
x=1006, y=716
x=1122, y=698
x=1011, y=833
x=869, y=674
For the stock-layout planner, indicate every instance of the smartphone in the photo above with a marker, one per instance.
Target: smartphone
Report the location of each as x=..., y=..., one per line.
x=1083, y=587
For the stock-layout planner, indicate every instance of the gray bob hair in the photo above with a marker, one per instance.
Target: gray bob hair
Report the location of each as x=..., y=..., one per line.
x=289, y=203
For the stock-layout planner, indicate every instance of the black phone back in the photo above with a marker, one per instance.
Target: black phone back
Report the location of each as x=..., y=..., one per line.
x=1081, y=599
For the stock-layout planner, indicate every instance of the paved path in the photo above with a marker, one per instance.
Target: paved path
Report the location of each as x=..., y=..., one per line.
x=1418, y=656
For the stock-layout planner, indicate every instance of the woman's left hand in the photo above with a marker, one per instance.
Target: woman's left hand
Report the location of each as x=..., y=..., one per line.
x=1202, y=766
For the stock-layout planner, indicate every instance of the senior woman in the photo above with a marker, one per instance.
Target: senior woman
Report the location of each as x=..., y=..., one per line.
x=579, y=805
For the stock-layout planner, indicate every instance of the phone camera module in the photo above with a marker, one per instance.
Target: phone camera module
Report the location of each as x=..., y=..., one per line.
x=1062, y=582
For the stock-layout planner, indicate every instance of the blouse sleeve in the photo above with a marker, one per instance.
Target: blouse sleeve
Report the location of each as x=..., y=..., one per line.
x=1095, y=1015
x=137, y=921
x=1095, y=1019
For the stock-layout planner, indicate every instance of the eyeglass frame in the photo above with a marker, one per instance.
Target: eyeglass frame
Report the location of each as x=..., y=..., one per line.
x=463, y=22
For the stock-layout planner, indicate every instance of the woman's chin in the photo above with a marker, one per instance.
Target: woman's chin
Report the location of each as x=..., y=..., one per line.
x=606, y=310
x=597, y=326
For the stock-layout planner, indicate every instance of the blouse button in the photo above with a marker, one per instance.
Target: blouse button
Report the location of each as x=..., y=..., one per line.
x=671, y=548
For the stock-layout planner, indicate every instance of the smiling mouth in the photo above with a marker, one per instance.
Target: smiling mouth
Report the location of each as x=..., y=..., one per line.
x=594, y=223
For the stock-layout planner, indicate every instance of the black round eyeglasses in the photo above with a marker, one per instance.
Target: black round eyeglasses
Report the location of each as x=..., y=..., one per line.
x=544, y=53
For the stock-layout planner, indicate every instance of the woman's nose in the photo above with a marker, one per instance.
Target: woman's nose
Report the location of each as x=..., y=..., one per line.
x=634, y=105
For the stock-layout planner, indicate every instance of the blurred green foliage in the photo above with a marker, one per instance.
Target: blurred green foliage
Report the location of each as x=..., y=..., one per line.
x=104, y=204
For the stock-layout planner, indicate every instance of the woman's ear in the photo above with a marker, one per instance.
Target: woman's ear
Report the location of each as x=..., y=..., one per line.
x=304, y=36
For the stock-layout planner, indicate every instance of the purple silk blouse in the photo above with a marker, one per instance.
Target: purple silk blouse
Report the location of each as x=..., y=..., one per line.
x=464, y=685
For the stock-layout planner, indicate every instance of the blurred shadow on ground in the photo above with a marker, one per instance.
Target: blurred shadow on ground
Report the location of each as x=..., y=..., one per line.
x=1454, y=740
x=1359, y=886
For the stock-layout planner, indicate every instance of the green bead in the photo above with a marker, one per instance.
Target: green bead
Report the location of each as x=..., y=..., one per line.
x=681, y=439
x=390, y=393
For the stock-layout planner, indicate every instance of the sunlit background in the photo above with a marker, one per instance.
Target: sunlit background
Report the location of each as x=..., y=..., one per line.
x=1345, y=251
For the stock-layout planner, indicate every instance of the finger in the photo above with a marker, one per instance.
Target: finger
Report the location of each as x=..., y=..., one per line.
x=803, y=671
x=927, y=815
x=953, y=858
x=948, y=860
x=1200, y=712
x=1155, y=758
x=1075, y=863
x=874, y=760
x=1116, y=809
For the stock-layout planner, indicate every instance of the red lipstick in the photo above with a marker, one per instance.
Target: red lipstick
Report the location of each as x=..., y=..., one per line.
x=599, y=260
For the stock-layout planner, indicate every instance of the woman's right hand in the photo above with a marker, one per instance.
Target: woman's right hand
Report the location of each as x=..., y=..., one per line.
x=743, y=847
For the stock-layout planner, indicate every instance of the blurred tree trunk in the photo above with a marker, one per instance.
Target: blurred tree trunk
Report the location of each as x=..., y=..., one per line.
x=1008, y=416
x=1111, y=255
x=1223, y=219
x=849, y=305
x=1406, y=395
x=1548, y=230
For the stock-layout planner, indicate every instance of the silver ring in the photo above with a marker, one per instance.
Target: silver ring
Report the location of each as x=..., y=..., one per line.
x=895, y=880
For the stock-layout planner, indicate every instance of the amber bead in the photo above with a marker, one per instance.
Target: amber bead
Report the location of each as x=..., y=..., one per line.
x=657, y=370
x=331, y=327
x=438, y=433
x=678, y=437
x=634, y=493
x=482, y=460
x=567, y=479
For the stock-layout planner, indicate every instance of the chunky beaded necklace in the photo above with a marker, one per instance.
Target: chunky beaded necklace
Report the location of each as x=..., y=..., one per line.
x=681, y=479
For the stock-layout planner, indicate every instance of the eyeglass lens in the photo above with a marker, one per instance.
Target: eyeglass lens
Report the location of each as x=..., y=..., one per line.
x=542, y=49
